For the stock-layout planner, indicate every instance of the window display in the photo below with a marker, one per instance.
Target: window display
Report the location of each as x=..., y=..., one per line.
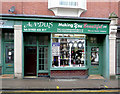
x=68, y=51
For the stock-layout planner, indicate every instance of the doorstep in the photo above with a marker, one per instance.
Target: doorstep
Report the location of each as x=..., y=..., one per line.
x=95, y=77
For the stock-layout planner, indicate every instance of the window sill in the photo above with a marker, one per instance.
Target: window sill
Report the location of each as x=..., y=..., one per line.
x=69, y=68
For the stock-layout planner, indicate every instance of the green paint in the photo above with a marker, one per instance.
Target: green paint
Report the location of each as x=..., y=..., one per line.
x=22, y=56
x=69, y=68
x=64, y=27
x=52, y=18
x=39, y=45
x=105, y=57
x=118, y=56
x=37, y=57
x=8, y=67
x=95, y=69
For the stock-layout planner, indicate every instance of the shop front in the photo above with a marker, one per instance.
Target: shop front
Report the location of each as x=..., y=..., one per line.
x=65, y=48
x=54, y=47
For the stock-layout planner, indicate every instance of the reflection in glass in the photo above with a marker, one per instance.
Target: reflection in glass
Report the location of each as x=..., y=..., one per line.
x=9, y=53
x=94, y=56
x=68, y=52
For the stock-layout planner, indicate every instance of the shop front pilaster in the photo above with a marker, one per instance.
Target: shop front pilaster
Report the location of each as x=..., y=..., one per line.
x=18, y=51
x=112, y=42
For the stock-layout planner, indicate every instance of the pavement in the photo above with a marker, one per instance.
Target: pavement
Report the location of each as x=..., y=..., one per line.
x=45, y=83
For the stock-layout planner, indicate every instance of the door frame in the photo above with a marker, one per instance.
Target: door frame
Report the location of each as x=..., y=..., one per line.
x=23, y=51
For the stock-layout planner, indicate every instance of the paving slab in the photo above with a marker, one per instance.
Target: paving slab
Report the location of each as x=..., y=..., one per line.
x=46, y=83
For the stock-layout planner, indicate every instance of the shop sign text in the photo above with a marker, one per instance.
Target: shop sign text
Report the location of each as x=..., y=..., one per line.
x=64, y=27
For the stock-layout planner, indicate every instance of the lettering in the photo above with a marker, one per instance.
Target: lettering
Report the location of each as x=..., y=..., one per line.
x=77, y=25
x=65, y=25
x=44, y=24
x=38, y=24
x=93, y=26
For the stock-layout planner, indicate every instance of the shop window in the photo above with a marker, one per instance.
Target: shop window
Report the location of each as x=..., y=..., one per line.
x=68, y=51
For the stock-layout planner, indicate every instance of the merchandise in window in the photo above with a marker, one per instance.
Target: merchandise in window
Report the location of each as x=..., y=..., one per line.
x=68, y=51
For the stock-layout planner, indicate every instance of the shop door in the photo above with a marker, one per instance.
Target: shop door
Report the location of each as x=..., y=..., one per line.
x=95, y=61
x=30, y=62
x=8, y=58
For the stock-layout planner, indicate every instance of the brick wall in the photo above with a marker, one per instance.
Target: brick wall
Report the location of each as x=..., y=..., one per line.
x=100, y=9
x=69, y=73
x=30, y=8
x=94, y=9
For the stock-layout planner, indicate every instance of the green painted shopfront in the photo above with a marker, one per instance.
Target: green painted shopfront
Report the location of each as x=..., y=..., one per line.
x=55, y=47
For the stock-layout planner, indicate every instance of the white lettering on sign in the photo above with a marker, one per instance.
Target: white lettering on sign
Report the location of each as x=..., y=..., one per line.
x=75, y=25
x=65, y=25
x=44, y=24
x=39, y=24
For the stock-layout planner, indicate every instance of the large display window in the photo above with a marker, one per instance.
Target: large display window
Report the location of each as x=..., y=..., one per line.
x=68, y=50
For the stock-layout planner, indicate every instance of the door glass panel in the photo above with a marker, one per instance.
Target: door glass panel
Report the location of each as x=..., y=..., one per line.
x=43, y=40
x=9, y=36
x=9, y=52
x=43, y=58
x=94, y=56
x=31, y=40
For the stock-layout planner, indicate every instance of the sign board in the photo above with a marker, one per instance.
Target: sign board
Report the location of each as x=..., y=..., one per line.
x=6, y=24
x=65, y=27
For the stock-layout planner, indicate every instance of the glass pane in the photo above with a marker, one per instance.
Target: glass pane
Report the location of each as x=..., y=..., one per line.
x=79, y=35
x=57, y=35
x=43, y=40
x=68, y=35
x=68, y=52
x=94, y=58
x=30, y=40
x=43, y=55
x=8, y=36
x=9, y=52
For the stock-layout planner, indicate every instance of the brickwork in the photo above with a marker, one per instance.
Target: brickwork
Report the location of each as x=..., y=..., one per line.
x=100, y=9
x=42, y=74
x=29, y=8
x=94, y=9
x=69, y=73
